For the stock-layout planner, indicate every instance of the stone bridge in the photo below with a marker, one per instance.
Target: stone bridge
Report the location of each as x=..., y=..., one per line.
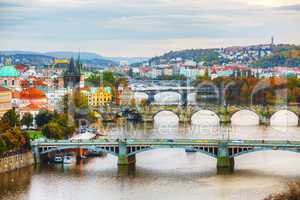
x=186, y=114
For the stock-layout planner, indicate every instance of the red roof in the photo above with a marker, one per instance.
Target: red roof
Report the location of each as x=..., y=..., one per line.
x=34, y=107
x=3, y=89
x=32, y=93
x=39, y=83
x=15, y=95
x=21, y=68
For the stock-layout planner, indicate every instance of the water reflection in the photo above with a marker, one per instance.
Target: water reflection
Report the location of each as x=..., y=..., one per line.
x=148, y=130
x=163, y=173
x=14, y=184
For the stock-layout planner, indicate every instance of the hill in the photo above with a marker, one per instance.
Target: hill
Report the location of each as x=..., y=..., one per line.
x=41, y=59
x=255, y=55
x=207, y=56
x=69, y=54
x=283, y=55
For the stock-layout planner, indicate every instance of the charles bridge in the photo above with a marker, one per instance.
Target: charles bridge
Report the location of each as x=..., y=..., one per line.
x=225, y=114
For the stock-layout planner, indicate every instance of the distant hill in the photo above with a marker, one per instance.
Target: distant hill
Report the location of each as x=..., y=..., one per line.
x=130, y=60
x=12, y=52
x=27, y=58
x=283, y=55
x=41, y=59
x=207, y=56
x=69, y=54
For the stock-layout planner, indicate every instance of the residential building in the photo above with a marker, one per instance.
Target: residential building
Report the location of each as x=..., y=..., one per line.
x=31, y=96
x=99, y=96
x=5, y=100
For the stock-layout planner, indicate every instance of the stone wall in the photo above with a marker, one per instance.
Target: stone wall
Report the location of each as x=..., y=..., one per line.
x=17, y=161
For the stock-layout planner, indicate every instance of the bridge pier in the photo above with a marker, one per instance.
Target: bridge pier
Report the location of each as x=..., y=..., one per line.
x=79, y=155
x=36, y=154
x=123, y=158
x=225, y=163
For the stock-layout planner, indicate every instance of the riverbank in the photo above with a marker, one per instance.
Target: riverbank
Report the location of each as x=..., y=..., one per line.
x=16, y=161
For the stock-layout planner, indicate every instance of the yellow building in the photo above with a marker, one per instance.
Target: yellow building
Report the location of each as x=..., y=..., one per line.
x=99, y=96
x=5, y=100
x=60, y=61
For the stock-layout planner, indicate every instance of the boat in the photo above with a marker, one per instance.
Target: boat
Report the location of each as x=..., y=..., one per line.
x=58, y=159
x=190, y=150
x=68, y=159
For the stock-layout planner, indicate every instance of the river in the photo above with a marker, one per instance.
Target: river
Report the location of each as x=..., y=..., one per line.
x=162, y=174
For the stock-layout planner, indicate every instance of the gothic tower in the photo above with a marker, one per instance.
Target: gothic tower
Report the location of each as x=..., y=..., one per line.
x=72, y=74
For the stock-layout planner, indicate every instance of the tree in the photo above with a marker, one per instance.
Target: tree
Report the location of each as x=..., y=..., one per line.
x=53, y=130
x=43, y=117
x=292, y=193
x=27, y=120
x=11, y=118
x=108, y=78
x=66, y=125
x=13, y=139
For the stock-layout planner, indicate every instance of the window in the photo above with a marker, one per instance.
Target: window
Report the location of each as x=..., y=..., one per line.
x=5, y=82
x=13, y=82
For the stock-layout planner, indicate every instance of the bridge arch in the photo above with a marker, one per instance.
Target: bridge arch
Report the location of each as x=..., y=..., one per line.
x=231, y=93
x=210, y=151
x=167, y=98
x=262, y=149
x=257, y=92
x=205, y=118
x=284, y=118
x=166, y=117
x=207, y=92
x=245, y=118
x=109, y=150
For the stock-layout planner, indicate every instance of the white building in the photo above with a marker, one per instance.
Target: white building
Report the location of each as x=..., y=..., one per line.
x=55, y=97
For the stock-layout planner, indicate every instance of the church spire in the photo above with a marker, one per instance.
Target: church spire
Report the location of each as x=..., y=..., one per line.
x=78, y=64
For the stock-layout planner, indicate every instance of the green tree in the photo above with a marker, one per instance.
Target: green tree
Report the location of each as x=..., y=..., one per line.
x=27, y=120
x=108, y=78
x=11, y=118
x=43, y=117
x=53, y=130
x=66, y=125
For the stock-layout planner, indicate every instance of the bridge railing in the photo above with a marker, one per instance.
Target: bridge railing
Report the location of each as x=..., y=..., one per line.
x=166, y=141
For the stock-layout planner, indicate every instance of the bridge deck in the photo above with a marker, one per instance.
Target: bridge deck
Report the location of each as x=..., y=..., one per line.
x=179, y=142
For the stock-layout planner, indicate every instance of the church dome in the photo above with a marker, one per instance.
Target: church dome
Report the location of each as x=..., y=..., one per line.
x=9, y=71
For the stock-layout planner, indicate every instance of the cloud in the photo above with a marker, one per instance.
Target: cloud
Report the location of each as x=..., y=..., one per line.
x=295, y=7
x=112, y=23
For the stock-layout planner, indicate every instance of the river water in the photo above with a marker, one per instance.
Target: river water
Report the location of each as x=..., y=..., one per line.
x=162, y=174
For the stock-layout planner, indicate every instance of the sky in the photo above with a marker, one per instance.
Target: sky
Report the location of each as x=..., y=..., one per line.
x=144, y=27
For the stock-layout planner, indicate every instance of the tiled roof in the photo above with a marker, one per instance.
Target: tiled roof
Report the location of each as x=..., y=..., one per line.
x=32, y=93
x=3, y=89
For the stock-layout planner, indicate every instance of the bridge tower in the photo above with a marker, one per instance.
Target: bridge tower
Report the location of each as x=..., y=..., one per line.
x=225, y=163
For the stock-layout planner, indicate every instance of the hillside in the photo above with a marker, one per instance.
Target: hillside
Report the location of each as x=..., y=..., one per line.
x=283, y=56
x=254, y=55
x=41, y=59
x=69, y=54
x=207, y=56
x=27, y=58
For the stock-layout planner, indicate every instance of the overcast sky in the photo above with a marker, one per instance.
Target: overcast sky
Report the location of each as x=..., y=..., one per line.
x=144, y=27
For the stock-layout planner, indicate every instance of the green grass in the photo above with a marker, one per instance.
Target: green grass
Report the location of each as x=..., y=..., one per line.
x=34, y=134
